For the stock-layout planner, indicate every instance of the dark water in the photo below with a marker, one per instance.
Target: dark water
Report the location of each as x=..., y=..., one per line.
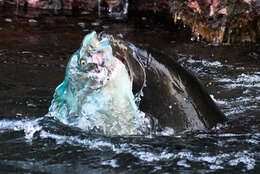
x=33, y=57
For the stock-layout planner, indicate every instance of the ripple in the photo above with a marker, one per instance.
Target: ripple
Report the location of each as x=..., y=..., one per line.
x=82, y=24
x=244, y=158
x=112, y=163
x=206, y=63
x=32, y=21
x=183, y=163
x=8, y=20
x=214, y=151
x=95, y=23
x=220, y=102
x=151, y=157
x=30, y=127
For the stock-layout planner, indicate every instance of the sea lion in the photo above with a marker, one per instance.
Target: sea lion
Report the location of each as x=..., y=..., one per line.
x=108, y=78
x=171, y=94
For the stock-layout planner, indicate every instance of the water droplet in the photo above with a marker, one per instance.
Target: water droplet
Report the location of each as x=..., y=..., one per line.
x=31, y=105
x=19, y=114
x=254, y=55
x=105, y=27
x=32, y=21
x=144, y=18
x=26, y=52
x=85, y=12
x=86, y=30
x=120, y=35
x=8, y=20
x=95, y=23
x=82, y=24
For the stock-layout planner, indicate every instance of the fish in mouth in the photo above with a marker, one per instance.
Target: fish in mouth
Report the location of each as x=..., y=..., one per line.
x=95, y=61
x=102, y=77
x=96, y=94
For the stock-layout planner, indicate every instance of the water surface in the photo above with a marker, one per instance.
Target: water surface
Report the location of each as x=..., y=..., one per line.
x=34, y=50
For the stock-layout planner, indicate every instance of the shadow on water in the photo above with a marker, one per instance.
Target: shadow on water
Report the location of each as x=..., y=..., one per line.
x=34, y=50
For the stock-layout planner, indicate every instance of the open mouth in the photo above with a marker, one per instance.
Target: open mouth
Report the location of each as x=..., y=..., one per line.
x=95, y=63
x=97, y=59
x=97, y=72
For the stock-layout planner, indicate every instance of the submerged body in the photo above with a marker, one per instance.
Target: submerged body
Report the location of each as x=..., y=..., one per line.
x=97, y=94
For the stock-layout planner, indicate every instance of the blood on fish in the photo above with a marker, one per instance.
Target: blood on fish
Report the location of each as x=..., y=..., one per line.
x=97, y=58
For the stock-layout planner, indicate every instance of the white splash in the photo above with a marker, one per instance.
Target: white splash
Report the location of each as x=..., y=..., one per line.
x=206, y=63
x=30, y=127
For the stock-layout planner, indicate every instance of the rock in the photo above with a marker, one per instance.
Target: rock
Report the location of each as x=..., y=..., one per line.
x=228, y=21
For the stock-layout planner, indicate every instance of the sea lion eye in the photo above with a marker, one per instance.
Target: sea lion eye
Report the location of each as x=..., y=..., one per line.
x=82, y=62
